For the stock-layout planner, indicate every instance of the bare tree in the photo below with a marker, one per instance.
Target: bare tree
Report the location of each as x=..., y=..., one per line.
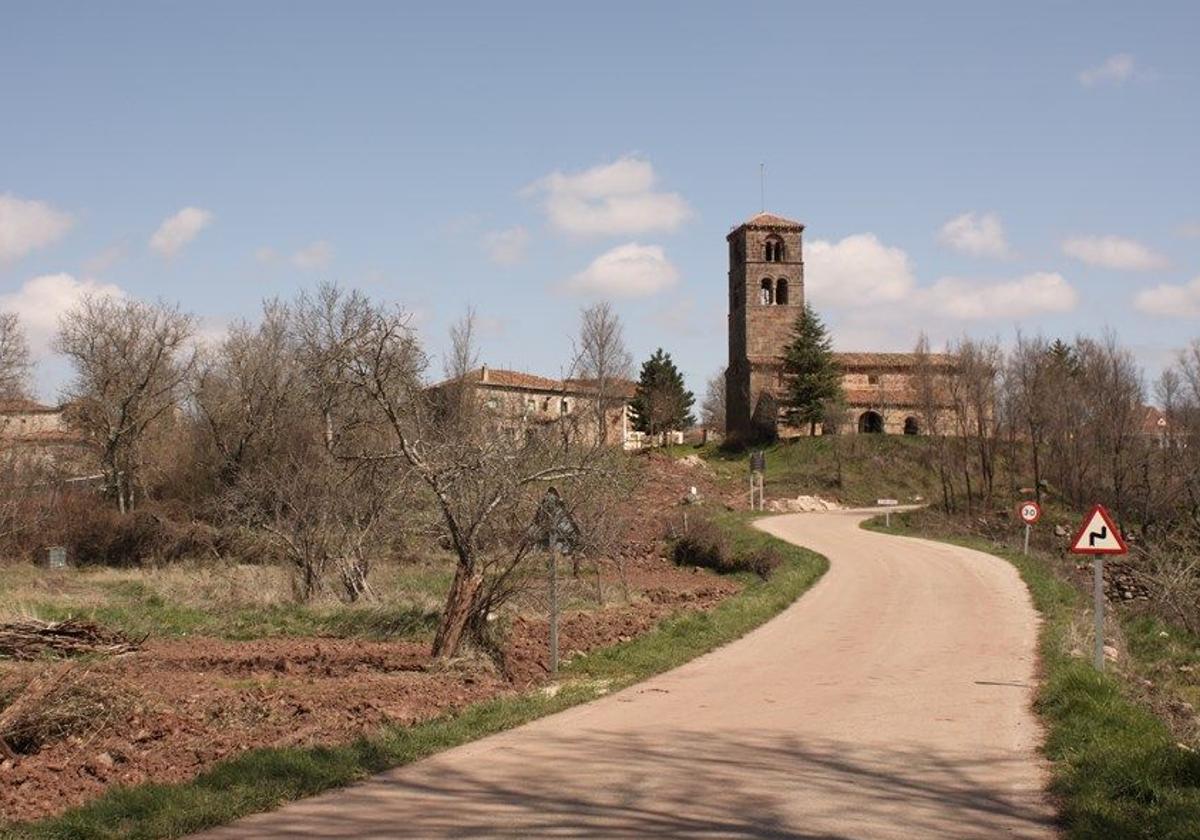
x=14, y=357
x=132, y=360
x=486, y=478
x=603, y=361
x=712, y=409
x=247, y=389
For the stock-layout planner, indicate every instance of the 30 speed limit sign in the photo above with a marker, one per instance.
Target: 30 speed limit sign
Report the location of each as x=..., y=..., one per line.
x=1029, y=512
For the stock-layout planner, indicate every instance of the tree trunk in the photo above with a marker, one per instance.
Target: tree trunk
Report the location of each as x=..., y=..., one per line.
x=459, y=606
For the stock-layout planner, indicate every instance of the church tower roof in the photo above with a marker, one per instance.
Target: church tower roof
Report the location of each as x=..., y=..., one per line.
x=771, y=220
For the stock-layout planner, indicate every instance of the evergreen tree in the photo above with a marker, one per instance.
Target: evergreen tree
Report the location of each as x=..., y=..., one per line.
x=814, y=382
x=661, y=403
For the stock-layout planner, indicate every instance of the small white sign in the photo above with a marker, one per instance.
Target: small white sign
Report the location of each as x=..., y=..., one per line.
x=1098, y=535
x=886, y=502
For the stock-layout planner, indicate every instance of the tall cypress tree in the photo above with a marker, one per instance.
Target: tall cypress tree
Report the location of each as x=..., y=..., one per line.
x=662, y=403
x=813, y=379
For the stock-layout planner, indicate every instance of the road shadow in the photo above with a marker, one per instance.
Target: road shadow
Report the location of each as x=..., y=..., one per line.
x=691, y=784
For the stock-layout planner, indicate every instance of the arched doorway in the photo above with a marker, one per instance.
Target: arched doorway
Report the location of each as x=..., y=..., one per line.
x=911, y=427
x=870, y=423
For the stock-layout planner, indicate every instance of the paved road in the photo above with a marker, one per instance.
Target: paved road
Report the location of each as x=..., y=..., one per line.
x=891, y=701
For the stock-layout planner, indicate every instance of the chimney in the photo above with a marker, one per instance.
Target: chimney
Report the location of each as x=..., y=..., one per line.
x=483, y=374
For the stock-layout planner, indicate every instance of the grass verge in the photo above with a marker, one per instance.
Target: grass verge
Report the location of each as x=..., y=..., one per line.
x=265, y=778
x=1118, y=772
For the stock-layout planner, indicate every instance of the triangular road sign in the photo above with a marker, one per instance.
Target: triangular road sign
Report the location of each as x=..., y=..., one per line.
x=1098, y=535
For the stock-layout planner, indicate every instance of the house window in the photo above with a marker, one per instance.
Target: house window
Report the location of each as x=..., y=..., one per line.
x=872, y=378
x=781, y=291
x=564, y=407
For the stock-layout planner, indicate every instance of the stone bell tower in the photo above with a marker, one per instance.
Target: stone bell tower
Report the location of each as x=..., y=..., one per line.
x=766, y=295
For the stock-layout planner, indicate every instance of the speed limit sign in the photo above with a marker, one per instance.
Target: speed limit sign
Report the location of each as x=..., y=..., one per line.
x=1030, y=512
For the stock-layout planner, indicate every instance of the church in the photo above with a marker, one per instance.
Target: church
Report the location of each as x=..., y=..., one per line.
x=766, y=295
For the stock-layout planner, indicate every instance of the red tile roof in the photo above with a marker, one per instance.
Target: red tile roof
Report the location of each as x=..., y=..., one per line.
x=24, y=406
x=1154, y=422
x=770, y=220
x=892, y=360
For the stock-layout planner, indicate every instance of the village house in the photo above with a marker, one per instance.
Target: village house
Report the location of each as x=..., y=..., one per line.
x=38, y=434
x=521, y=400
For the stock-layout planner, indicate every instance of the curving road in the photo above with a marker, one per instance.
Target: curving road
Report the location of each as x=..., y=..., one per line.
x=891, y=701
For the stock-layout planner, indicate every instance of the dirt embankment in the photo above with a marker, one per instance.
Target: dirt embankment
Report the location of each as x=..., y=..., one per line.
x=181, y=706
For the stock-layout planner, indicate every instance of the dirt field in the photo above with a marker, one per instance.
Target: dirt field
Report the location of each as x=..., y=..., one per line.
x=186, y=703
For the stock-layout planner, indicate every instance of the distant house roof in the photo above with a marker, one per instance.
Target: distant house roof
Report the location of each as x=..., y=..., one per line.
x=25, y=406
x=876, y=398
x=520, y=381
x=618, y=387
x=889, y=360
x=1154, y=421
x=770, y=220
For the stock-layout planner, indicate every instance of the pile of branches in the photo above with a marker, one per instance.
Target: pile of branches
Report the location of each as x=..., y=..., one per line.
x=34, y=639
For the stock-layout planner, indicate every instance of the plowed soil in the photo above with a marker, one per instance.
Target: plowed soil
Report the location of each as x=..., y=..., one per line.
x=188, y=704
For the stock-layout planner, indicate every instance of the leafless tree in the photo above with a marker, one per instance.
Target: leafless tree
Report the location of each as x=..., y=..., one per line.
x=1030, y=383
x=712, y=409
x=246, y=391
x=603, y=362
x=486, y=478
x=14, y=358
x=132, y=360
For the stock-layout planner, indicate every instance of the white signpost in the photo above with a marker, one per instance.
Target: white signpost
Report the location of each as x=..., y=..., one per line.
x=1030, y=512
x=1097, y=536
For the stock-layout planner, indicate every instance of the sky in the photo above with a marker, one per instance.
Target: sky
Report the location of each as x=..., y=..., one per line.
x=962, y=168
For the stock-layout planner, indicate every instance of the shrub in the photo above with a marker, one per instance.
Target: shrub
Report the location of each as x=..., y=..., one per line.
x=707, y=545
x=58, y=703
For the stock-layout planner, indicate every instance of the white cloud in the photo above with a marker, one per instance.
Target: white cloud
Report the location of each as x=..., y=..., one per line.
x=506, y=247
x=104, y=260
x=977, y=234
x=857, y=271
x=612, y=199
x=40, y=301
x=180, y=229
x=1115, y=70
x=28, y=225
x=630, y=270
x=1116, y=252
x=313, y=256
x=1169, y=300
x=266, y=255
x=1032, y=294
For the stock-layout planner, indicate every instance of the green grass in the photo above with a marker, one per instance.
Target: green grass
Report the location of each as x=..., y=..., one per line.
x=1118, y=772
x=237, y=603
x=265, y=778
x=872, y=467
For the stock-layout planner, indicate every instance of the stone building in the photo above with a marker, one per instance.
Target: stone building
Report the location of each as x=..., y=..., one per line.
x=521, y=400
x=41, y=434
x=766, y=295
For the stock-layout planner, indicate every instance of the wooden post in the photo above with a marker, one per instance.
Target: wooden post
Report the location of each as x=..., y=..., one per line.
x=553, y=610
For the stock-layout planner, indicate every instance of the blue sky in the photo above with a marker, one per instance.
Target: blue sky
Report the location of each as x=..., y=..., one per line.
x=960, y=167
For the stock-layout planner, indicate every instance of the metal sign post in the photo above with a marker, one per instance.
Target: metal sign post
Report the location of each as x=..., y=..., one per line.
x=555, y=530
x=1030, y=512
x=553, y=610
x=1098, y=535
x=758, y=466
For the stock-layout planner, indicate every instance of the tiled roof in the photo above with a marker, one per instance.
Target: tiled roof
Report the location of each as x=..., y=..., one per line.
x=893, y=360
x=770, y=220
x=514, y=379
x=619, y=387
x=1154, y=422
x=24, y=406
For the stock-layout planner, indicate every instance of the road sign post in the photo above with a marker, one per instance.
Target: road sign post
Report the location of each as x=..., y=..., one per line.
x=553, y=610
x=555, y=530
x=758, y=466
x=1098, y=536
x=1030, y=512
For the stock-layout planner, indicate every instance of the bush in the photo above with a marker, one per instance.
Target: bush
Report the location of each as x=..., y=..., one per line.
x=707, y=545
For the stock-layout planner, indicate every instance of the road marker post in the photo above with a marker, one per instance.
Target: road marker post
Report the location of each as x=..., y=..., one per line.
x=887, y=514
x=1029, y=512
x=1098, y=536
x=758, y=466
